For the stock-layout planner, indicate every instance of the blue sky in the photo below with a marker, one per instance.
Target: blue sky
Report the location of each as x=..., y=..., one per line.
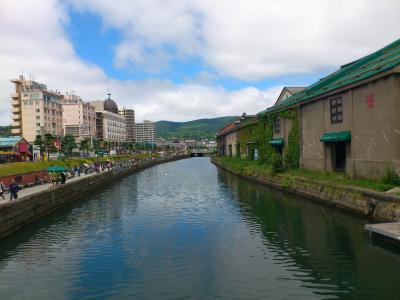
x=95, y=43
x=188, y=59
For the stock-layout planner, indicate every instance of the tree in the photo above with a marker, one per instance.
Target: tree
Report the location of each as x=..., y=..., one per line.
x=68, y=143
x=96, y=145
x=39, y=142
x=84, y=145
x=106, y=145
x=48, y=143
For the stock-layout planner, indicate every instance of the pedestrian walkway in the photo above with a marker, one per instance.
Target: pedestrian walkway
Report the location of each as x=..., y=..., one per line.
x=39, y=188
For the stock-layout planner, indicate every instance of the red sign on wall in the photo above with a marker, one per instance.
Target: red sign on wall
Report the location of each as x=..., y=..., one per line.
x=370, y=101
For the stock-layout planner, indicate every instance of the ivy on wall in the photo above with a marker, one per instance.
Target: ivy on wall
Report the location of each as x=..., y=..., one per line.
x=291, y=156
x=261, y=132
x=268, y=154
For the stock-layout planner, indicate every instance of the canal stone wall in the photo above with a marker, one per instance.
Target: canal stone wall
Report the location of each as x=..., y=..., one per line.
x=364, y=202
x=17, y=214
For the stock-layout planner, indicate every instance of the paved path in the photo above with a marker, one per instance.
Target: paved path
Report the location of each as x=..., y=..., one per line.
x=38, y=188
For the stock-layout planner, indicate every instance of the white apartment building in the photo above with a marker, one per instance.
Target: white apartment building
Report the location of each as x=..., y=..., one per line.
x=129, y=115
x=79, y=118
x=145, y=132
x=110, y=126
x=36, y=110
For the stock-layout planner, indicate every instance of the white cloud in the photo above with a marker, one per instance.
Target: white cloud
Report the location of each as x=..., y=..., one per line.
x=34, y=42
x=243, y=39
x=249, y=39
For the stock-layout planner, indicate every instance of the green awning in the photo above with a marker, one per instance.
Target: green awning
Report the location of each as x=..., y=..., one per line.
x=57, y=169
x=332, y=137
x=276, y=142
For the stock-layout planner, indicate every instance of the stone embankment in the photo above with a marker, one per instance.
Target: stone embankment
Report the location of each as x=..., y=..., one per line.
x=27, y=209
x=364, y=202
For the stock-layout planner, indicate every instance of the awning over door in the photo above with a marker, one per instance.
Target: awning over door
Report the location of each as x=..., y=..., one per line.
x=276, y=142
x=333, y=137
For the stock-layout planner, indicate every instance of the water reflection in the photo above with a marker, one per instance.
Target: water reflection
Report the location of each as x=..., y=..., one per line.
x=326, y=247
x=185, y=230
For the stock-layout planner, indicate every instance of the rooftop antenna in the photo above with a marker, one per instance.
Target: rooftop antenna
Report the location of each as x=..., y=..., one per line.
x=109, y=96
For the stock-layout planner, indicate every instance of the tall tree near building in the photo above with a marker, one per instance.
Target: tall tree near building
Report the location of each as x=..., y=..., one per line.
x=39, y=142
x=84, y=145
x=68, y=144
x=96, y=145
x=48, y=143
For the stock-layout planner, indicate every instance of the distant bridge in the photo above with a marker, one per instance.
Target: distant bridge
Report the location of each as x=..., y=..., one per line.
x=200, y=152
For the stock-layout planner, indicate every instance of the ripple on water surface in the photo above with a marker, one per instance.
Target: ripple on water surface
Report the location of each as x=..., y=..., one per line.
x=186, y=230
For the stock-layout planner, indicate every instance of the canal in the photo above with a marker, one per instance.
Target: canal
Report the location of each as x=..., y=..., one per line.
x=186, y=230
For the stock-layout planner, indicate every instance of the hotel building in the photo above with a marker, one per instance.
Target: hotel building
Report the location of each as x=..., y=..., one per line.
x=36, y=110
x=145, y=132
x=110, y=126
x=129, y=115
x=79, y=118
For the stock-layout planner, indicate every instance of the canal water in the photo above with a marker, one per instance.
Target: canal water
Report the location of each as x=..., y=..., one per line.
x=186, y=230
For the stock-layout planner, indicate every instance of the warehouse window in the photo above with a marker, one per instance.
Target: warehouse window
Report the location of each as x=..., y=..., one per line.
x=336, y=110
x=277, y=125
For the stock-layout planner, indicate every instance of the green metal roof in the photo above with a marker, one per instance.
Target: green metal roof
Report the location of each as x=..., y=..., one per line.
x=340, y=136
x=276, y=142
x=370, y=65
x=9, y=141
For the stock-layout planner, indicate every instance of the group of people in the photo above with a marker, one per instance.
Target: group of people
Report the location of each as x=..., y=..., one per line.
x=13, y=188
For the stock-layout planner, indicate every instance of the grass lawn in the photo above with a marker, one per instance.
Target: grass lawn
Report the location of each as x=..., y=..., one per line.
x=255, y=168
x=33, y=166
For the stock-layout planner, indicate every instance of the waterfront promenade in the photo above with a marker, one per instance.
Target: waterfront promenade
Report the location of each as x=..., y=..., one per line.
x=43, y=187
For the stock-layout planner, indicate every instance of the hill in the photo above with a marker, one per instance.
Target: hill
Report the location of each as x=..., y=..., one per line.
x=196, y=129
x=5, y=130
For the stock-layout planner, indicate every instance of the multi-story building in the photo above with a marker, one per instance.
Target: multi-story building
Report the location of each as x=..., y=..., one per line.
x=79, y=117
x=110, y=126
x=36, y=110
x=145, y=132
x=129, y=115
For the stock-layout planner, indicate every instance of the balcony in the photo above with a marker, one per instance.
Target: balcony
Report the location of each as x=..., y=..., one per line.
x=15, y=102
x=14, y=95
x=16, y=131
x=16, y=117
x=16, y=109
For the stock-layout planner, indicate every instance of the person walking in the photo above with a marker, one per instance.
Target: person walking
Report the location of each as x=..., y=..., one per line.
x=2, y=190
x=63, y=178
x=14, y=189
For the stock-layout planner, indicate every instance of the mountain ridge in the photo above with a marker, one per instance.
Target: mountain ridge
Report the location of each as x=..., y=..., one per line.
x=205, y=128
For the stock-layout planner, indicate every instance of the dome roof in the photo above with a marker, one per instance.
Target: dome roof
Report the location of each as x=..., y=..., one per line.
x=111, y=106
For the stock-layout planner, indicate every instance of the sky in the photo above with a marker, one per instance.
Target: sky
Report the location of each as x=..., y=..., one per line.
x=186, y=59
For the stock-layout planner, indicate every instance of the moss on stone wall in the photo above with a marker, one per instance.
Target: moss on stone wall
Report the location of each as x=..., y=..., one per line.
x=292, y=151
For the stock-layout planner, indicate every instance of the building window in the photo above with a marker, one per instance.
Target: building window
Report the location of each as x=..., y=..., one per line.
x=277, y=125
x=37, y=109
x=336, y=110
x=37, y=117
x=38, y=124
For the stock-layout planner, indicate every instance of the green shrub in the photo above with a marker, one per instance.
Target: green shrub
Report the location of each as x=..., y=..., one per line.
x=390, y=176
x=276, y=163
